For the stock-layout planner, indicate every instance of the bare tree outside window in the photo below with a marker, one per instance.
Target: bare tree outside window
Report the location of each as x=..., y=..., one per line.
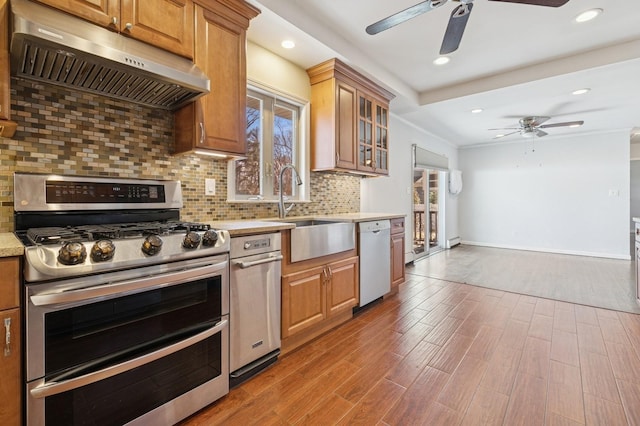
x=283, y=126
x=272, y=138
x=248, y=171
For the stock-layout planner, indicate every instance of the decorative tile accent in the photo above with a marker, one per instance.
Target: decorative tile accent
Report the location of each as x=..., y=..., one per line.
x=63, y=131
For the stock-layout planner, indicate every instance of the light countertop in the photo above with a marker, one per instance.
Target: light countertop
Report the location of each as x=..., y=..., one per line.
x=10, y=245
x=253, y=226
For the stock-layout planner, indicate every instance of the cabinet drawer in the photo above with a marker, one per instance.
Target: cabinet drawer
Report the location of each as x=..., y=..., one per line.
x=9, y=284
x=397, y=225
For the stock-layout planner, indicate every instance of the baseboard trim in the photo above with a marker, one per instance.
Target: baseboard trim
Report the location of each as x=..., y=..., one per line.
x=537, y=249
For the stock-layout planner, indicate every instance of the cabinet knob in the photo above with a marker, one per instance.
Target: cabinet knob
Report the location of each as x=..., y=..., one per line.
x=114, y=20
x=128, y=26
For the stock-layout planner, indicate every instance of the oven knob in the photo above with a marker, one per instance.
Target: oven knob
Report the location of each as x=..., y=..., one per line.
x=210, y=238
x=152, y=245
x=191, y=240
x=72, y=254
x=102, y=250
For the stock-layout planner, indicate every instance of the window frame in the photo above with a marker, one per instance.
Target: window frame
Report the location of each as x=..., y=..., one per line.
x=300, y=152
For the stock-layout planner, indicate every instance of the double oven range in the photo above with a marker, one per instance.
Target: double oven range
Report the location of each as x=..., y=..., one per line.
x=126, y=307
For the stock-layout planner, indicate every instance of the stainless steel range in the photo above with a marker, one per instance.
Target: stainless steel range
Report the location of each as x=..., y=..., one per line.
x=126, y=306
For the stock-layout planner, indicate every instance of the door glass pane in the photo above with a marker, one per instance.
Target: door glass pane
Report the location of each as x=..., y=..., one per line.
x=248, y=170
x=283, y=143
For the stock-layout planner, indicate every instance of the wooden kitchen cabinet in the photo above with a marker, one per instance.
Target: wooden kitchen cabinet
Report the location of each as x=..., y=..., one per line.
x=349, y=120
x=317, y=294
x=10, y=382
x=217, y=122
x=397, y=253
x=7, y=127
x=167, y=24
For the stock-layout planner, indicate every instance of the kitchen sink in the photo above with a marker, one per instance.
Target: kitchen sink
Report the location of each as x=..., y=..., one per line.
x=316, y=238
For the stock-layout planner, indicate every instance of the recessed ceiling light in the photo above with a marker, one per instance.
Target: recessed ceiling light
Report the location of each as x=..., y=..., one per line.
x=288, y=44
x=499, y=135
x=580, y=91
x=476, y=111
x=441, y=60
x=588, y=15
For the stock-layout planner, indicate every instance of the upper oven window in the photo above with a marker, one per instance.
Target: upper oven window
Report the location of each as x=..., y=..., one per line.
x=107, y=332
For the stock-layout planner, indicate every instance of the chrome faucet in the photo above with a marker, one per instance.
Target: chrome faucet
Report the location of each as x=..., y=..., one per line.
x=282, y=210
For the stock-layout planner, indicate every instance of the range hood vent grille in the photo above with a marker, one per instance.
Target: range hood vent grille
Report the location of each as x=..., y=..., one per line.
x=65, y=68
x=52, y=47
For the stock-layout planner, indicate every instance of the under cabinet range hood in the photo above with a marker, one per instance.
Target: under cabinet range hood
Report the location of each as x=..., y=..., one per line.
x=52, y=47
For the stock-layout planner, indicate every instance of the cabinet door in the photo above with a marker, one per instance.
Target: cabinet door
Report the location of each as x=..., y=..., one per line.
x=381, y=132
x=365, y=134
x=343, y=288
x=5, y=79
x=220, y=52
x=303, y=300
x=9, y=283
x=346, y=148
x=168, y=24
x=397, y=259
x=102, y=12
x=10, y=384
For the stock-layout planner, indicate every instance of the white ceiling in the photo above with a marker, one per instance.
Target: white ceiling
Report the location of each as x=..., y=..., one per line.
x=514, y=60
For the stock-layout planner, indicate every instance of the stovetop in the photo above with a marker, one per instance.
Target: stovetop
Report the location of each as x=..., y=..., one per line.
x=113, y=232
x=71, y=251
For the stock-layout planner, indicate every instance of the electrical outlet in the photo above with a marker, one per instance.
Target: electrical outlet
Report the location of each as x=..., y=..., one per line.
x=209, y=187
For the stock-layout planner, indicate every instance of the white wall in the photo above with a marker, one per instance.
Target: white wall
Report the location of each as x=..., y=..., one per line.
x=394, y=194
x=635, y=192
x=569, y=196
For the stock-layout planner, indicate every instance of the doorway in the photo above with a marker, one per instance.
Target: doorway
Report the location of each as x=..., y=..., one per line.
x=427, y=211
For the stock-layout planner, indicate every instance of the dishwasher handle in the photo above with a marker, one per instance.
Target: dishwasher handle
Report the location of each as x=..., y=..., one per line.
x=247, y=264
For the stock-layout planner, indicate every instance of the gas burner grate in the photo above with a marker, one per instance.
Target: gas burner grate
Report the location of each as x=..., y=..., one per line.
x=56, y=235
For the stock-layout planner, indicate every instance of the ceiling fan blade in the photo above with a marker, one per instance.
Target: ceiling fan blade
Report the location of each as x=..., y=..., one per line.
x=566, y=123
x=455, y=28
x=540, y=133
x=404, y=15
x=506, y=128
x=507, y=134
x=549, y=3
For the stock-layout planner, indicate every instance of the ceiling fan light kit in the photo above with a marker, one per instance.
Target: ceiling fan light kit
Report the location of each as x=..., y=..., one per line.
x=457, y=21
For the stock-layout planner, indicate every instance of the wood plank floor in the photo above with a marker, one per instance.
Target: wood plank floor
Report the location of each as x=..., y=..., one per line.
x=444, y=353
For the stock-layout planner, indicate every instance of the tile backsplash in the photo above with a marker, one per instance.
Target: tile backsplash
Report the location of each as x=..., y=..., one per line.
x=63, y=131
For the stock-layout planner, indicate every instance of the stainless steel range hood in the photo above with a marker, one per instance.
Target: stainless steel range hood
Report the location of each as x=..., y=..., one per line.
x=53, y=47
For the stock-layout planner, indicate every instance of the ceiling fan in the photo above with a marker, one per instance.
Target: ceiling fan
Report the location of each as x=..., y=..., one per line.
x=457, y=21
x=530, y=126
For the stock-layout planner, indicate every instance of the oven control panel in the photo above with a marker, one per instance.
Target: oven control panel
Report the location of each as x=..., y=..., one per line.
x=254, y=244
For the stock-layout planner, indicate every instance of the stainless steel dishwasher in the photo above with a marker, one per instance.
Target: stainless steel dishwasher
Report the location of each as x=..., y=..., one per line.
x=375, y=260
x=254, y=309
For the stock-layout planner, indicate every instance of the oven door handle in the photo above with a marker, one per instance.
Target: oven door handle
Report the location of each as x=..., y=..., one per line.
x=244, y=264
x=127, y=286
x=54, y=388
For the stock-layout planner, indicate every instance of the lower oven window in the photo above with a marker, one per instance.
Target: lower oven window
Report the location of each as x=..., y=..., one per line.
x=103, y=333
x=127, y=396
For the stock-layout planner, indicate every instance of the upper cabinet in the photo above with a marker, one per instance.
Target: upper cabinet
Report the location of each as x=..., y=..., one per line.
x=7, y=127
x=167, y=24
x=349, y=120
x=217, y=122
